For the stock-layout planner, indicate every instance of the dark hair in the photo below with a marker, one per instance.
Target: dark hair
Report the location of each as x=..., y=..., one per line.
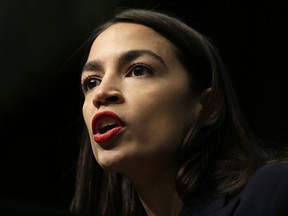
x=212, y=159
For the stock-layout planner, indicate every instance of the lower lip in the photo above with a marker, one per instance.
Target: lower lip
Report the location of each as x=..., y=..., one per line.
x=102, y=138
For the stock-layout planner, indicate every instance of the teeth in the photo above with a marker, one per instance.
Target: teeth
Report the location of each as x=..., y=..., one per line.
x=107, y=128
x=107, y=124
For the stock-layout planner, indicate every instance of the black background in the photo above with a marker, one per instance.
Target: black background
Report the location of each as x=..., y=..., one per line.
x=40, y=98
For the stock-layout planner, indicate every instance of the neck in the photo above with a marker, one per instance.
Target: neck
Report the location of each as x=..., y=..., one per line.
x=158, y=194
x=161, y=205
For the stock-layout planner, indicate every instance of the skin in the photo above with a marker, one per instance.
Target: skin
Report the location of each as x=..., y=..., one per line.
x=155, y=101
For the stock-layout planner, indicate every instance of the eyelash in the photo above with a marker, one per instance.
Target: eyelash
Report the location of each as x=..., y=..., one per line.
x=95, y=80
x=142, y=66
x=88, y=80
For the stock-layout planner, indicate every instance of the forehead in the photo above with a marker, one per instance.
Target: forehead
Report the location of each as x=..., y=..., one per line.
x=121, y=37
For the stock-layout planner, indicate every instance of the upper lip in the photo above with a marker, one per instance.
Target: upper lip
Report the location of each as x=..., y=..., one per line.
x=102, y=119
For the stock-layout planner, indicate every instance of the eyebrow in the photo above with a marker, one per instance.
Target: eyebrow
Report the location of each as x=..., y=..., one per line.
x=125, y=57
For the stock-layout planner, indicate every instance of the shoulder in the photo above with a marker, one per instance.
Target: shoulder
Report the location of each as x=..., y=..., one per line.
x=267, y=191
x=265, y=194
x=269, y=175
x=276, y=168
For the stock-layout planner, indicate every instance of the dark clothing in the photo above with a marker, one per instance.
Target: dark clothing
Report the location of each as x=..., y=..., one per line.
x=266, y=194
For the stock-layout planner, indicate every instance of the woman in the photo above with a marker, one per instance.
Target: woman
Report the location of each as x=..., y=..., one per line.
x=164, y=134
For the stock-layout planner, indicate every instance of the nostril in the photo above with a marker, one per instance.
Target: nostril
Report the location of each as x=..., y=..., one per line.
x=112, y=99
x=106, y=98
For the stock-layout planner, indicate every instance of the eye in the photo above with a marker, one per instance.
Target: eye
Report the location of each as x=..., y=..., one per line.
x=138, y=70
x=89, y=83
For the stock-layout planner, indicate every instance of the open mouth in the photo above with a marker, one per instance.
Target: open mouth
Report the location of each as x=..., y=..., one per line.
x=105, y=125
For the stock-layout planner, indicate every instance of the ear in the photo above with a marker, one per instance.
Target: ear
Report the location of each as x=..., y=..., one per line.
x=214, y=114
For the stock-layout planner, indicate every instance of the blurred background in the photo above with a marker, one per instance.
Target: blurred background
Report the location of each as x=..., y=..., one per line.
x=40, y=97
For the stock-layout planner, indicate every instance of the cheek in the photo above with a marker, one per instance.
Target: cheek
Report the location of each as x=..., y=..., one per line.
x=163, y=119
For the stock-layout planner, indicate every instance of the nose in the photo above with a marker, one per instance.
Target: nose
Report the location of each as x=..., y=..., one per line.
x=107, y=92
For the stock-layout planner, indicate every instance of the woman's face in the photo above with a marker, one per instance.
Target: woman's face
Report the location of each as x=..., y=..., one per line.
x=138, y=101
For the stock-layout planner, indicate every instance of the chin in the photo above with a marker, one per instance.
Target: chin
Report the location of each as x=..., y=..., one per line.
x=110, y=163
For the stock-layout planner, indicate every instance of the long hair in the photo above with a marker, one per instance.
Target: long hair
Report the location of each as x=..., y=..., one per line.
x=214, y=159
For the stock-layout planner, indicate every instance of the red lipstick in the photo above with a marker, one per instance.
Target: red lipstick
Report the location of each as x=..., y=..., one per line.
x=106, y=125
